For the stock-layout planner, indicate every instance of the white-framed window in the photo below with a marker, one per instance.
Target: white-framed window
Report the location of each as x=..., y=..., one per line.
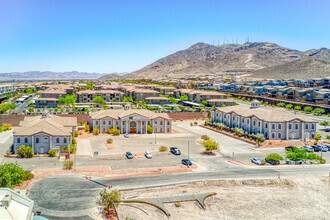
x=313, y=126
x=279, y=135
x=290, y=126
x=273, y=126
x=64, y=140
x=306, y=126
x=266, y=125
x=297, y=126
x=273, y=135
x=279, y=126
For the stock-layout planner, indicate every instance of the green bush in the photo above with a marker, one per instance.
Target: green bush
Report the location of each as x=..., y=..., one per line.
x=205, y=137
x=318, y=111
x=163, y=148
x=73, y=140
x=308, y=109
x=96, y=131
x=281, y=104
x=64, y=149
x=274, y=156
x=207, y=122
x=11, y=174
x=196, y=123
x=25, y=151
x=52, y=153
x=150, y=129
x=210, y=145
x=76, y=133
x=109, y=141
x=86, y=128
x=73, y=148
x=68, y=164
x=114, y=131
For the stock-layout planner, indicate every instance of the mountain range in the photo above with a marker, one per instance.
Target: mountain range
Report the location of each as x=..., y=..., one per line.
x=260, y=59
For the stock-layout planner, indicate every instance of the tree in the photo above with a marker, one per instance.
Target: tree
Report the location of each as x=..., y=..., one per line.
x=169, y=108
x=73, y=140
x=205, y=103
x=281, y=104
x=114, y=131
x=317, y=138
x=11, y=174
x=289, y=106
x=73, y=148
x=52, y=153
x=99, y=100
x=318, y=111
x=173, y=100
x=324, y=123
x=210, y=145
x=86, y=128
x=274, y=156
x=229, y=95
x=128, y=99
x=150, y=108
x=150, y=129
x=25, y=151
x=90, y=86
x=6, y=126
x=298, y=107
x=9, y=95
x=109, y=199
x=182, y=108
x=184, y=98
x=308, y=109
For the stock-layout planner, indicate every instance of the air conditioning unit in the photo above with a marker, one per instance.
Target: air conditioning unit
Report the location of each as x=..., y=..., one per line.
x=5, y=201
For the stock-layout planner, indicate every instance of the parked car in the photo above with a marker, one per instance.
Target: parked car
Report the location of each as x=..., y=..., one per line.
x=289, y=147
x=273, y=162
x=316, y=148
x=129, y=155
x=186, y=162
x=175, y=151
x=126, y=135
x=327, y=130
x=293, y=161
x=324, y=148
x=256, y=161
x=147, y=154
x=328, y=146
x=308, y=148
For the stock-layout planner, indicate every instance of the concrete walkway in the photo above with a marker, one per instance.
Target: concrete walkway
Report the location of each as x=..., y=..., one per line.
x=159, y=202
x=84, y=147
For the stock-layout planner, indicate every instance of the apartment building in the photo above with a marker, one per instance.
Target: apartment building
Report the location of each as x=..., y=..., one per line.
x=5, y=88
x=274, y=123
x=87, y=96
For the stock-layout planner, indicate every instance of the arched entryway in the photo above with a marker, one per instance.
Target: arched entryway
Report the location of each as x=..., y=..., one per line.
x=132, y=127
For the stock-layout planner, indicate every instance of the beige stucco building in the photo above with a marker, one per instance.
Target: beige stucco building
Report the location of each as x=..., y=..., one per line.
x=131, y=120
x=274, y=123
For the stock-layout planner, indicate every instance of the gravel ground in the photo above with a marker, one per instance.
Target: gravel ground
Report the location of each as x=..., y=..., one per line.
x=254, y=199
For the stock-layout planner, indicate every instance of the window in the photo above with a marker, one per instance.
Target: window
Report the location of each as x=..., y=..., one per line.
x=117, y=122
x=109, y=122
x=143, y=123
x=266, y=125
x=313, y=126
x=259, y=123
x=96, y=122
x=168, y=123
x=266, y=134
x=37, y=140
x=306, y=126
x=155, y=122
x=103, y=122
x=25, y=140
x=273, y=126
x=64, y=140
x=273, y=135
x=279, y=135
x=242, y=120
x=247, y=121
x=290, y=126
x=57, y=140
x=279, y=126
x=161, y=123
x=254, y=123
x=161, y=130
x=297, y=126
x=18, y=140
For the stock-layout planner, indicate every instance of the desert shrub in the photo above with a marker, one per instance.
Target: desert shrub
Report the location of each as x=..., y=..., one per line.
x=25, y=151
x=109, y=141
x=73, y=141
x=207, y=122
x=64, y=149
x=52, y=153
x=73, y=148
x=80, y=133
x=86, y=128
x=6, y=126
x=210, y=145
x=308, y=109
x=68, y=164
x=281, y=104
x=96, y=131
x=150, y=129
x=76, y=133
x=195, y=123
x=205, y=137
x=163, y=148
x=114, y=131
x=274, y=156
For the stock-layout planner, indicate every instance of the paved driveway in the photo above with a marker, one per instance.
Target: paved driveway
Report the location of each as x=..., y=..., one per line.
x=84, y=147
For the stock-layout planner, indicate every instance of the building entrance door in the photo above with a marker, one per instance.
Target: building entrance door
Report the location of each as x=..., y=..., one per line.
x=132, y=126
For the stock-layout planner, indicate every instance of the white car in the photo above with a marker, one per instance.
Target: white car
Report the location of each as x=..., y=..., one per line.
x=147, y=154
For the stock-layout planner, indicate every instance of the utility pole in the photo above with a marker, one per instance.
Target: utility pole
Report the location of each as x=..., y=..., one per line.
x=188, y=149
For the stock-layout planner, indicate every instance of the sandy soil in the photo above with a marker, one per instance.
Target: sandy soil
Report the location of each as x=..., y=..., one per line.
x=252, y=199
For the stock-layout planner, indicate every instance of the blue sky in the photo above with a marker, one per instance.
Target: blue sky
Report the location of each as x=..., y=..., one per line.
x=121, y=36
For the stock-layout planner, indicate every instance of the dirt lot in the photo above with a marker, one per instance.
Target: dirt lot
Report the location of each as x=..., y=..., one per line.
x=253, y=199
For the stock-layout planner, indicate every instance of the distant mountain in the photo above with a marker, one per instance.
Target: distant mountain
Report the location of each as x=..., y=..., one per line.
x=47, y=75
x=202, y=58
x=112, y=76
x=304, y=68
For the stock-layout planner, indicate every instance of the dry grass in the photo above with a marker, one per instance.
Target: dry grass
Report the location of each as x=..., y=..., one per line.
x=248, y=199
